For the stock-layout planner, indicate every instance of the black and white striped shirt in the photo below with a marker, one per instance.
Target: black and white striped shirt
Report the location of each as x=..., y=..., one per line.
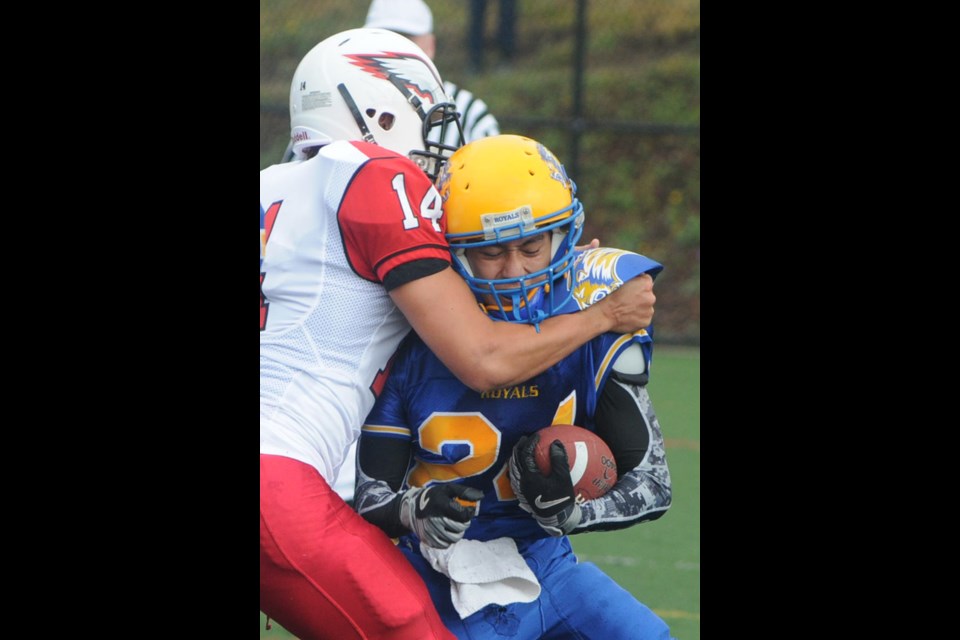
x=475, y=117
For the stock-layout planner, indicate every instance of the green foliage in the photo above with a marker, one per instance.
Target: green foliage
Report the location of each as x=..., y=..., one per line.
x=641, y=191
x=659, y=561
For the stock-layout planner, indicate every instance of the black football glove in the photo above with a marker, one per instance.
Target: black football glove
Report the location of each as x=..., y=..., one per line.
x=550, y=499
x=434, y=514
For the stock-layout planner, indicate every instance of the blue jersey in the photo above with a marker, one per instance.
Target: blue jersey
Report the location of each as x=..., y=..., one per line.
x=460, y=435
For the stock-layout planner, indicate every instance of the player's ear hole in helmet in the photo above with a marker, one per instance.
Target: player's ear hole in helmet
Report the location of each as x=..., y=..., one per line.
x=373, y=85
x=504, y=188
x=385, y=120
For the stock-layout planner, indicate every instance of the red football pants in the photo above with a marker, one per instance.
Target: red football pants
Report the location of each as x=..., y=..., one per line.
x=325, y=572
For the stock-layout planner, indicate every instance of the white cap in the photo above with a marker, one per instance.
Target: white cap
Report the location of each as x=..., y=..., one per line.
x=409, y=17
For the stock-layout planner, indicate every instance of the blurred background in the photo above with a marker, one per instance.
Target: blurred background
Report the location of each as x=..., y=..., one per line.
x=612, y=87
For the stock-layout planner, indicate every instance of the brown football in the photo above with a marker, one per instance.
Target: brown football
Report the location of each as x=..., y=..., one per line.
x=592, y=465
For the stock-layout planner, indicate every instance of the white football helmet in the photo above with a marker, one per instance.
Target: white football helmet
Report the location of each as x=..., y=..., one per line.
x=373, y=85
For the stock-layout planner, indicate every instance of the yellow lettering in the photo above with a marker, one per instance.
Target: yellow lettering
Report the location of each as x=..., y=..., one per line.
x=511, y=393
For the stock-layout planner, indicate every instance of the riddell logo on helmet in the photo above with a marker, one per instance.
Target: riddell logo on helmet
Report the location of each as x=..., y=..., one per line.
x=300, y=136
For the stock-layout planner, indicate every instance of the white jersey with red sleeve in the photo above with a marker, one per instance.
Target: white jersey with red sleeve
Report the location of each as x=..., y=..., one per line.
x=336, y=231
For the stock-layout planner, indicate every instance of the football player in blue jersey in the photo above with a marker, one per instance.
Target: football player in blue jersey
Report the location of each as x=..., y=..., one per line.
x=450, y=471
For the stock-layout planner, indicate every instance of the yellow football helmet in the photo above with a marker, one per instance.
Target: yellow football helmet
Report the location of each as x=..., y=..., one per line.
x=504, y=188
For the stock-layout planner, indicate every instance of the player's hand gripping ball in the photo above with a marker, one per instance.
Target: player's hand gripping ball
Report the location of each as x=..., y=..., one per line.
x=593, y=468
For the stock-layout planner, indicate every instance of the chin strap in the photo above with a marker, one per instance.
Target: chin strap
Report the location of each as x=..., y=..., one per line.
x=414, y=101
x=367, y=136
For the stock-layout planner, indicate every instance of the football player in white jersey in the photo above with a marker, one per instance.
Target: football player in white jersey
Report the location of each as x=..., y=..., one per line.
x=414, y=19
x=352, y=256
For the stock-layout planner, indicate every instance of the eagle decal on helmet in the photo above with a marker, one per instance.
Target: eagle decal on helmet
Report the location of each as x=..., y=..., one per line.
x=411, y=71
x=557, y=172
x=443, y=182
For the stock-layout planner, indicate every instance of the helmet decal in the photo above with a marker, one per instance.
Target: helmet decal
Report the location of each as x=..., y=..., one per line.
x=557, y=171
x=407, y=69
x=595, y=275
x=443, y=182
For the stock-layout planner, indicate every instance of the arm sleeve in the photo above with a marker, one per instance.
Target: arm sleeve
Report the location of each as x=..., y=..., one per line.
x=384, y=451
x=475, y=117
x=410, y=271
x=381, y=466
x=626, y=421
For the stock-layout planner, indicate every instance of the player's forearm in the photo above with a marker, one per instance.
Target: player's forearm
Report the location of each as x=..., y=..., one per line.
x=628, y=309
x=641, y=495
x=513, y=353
x=381, y=467
x=379, y=505
x=644, y=492
x=487, y=355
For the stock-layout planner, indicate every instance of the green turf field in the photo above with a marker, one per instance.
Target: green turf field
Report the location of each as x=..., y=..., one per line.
x=659, y=562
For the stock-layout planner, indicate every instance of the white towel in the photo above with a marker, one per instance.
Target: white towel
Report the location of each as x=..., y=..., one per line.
x=483, y=573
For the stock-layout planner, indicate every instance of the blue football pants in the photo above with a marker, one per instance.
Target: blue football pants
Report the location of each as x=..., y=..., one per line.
x=577, y=601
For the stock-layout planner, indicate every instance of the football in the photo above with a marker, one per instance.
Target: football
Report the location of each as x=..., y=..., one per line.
x=592, y=466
